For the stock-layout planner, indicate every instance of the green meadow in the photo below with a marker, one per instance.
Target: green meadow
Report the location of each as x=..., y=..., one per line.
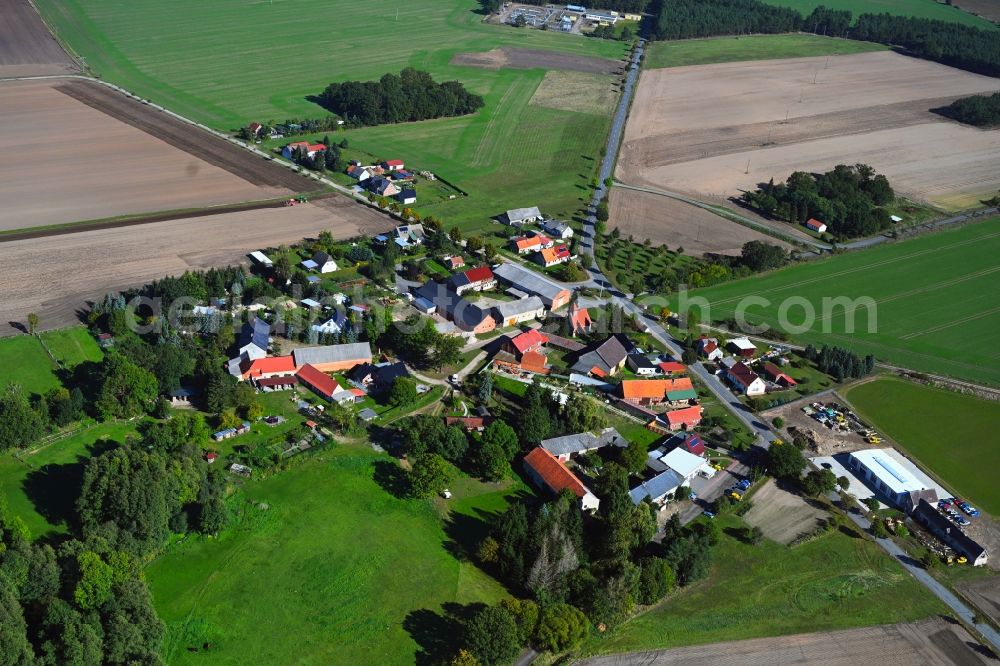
x=930, y=301
x=951, y=434
x=229, y=62
x=756, y=47
x=25, y=362
x=928, y=9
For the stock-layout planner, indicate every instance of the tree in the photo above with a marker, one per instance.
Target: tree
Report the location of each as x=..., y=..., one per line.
x=843, y=482
x=32, y=323
x=430, y=475
x=871, y=503
x=20, y=425
x=454, y=444
x=500, y=435
x=778, y=422
x=656, y=579
x=492, y=462
x=464, y=657
x=447, y=350
x=633, y=457
x=525, y=613
x=126, y=389
x=486, y=388
x=819, y=482
x=561, y=627
x=474, y=244
x=96, y=579
x=455, y=234
x=492, y=636
x=490, y=252
x=785, y=461
x=15, y=649
x=403, y=391
x=583, y=414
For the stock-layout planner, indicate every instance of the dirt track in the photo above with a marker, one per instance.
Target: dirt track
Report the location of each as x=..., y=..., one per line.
x=516, y=58
x=930, y=642
x=27, y=48
x=671, y=222
x=695, y=129
x=55, y=276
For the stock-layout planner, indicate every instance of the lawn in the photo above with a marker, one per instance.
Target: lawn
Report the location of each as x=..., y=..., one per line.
x=832, y=582
x=757, y=47
x=928, y=294
x=949, y=433
x=337, y=570
x=182, y=58
x=25, y=362
x=41, y=487
x=929, y=9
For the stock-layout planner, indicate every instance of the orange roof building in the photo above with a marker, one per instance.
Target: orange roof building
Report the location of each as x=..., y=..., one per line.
x=689, y=417
x=530, y=340
x=272, y=366
x=551, y=474
x=579, y=320
x=652, y=391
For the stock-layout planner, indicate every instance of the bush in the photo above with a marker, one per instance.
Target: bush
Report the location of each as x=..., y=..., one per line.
x=778, y=422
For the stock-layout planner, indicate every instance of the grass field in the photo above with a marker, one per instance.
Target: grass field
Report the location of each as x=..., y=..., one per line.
x=832, y=582
x=929, y=9
x=951, y=434
x=336, y=570
x=25, y=362
x=934, y=296
x=184, y=61
x=757, y=47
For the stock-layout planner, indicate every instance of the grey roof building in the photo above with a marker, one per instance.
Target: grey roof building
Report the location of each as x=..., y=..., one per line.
x=255, y=337
x=319, y=356
x=518, y=216
x=526, y=306
x=553, y=295
x=466, y=315
x=567, y=445
x=938, y=525
x=607, y=357
x=657, y=488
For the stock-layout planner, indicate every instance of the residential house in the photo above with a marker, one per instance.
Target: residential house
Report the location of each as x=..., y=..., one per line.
x=474, y=279
x=530, y=340
x=602, y=359
x=527, y=281
x=579, y=320
x=467, y=317
x=582, y=442
x=323, y=384
x=745, y=380
x=812, y=224
x=531, y=243
x=774, y=373
x=687, y=417
x=642, y=365
x=407, y=196
x=272, y=366
x=410, y=234
x=255, y=128
x=690, y=442
x=321, y=262
x=455, y=262
x=359, y=173
x=392, y=165
x=334, y=325
x=553, y=256
x=469, y=423
x=709, y=349
x=672, y=368
x=742, y=347
x=530, y=362
x=938, y=524
x=686, y=465
x=555, y=229
x=551, y=474
x=658, y=489
x=378, y=377
x=332, y=358
x=520, y=216
x=382, y=186
x=289, y=151
x=255, y=337
x=655, y=391
x=512, y=313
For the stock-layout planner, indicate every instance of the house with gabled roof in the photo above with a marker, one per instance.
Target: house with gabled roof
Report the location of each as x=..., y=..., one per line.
x=553, y=256
x=642, y=365
x=579, y=320
x=658, y=489
x=392, y=165
x=551, y=474
x=565, y=446
x=527, y=281
x=530, y=340
x=531, y=243
x=517, y=217
x=742, y=347
x=467, y=316
x=745, y=380
x=289, y=151
x=474, y=279
x=557, y=229
x=655, y=391
x=255, y=337
x=378, y=377
x=602, y=359
x=774, y=373
x=709, y=349
x=323, y=384
x=688, y=417
x=407, y=196
x=512, y=313
x=812, y=224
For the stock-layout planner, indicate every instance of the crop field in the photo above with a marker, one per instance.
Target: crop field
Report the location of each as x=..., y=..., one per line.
x=832, y=582
x=929, y=9
x=116, y=258
x=934, y=300
x=683, y=52
x=360, y=575
x=27, y=48
x=951, y=434
x=753, y=121
x=183, y=60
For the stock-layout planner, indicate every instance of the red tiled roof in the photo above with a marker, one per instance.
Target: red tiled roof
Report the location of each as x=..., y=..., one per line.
x=709, y=347
x=554, y=473
x=393, y=163
x=672, y=366
x=534, y=362
x=742, y=374
x=320, y=381
x=635, y=389
x=469, y=422
x=358, y=393
x=481, y=274
x=689, y=416
x=270, y=365
x=528, y=340
x=813, y=223
x=579, y=319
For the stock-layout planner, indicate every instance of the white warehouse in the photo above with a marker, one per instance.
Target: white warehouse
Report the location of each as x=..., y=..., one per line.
x=893, y=477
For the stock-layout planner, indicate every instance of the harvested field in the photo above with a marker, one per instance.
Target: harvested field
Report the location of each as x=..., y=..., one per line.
x=667, y=221
x=95, y=262
x=935, y=641
x=27, y=48
x=782, y=516
x=985, y=594
x=779, y=116
x=516, y=58
x=988, y=9
x=576, y=91
x=95, y=153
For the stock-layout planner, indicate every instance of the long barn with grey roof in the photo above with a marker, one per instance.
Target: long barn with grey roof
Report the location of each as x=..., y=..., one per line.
x=553, y=295
x=332, y=358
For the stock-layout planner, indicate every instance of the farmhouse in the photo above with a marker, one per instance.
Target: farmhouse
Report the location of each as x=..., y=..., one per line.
x=520, y=216
x=745, y=380
x=255, y=336
x=950, y=534
x=688, y=417
x=742, y=347
x=657, y=489
x=273, y=366
x=813, y=224
x=583, y=442
x=553, y=295
x=774, y=373
x=323, y=384
x=579, y=320
x=602, y=359
x=549, y=473
x=531, y=362
x=553, y=256
x=654, y=391
x=532, y=243
x=333, y=325
x=474, y=279
x=310, y=149
x=641, y=365
x=893, y=477
x=332, y=358
x=392, y=165
x=555, y=229
x=512, y=313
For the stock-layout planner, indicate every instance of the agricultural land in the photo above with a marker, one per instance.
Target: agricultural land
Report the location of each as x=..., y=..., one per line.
x=927, y=422
x=681, y=53
x=27, y=48
x=928, y=9
x=116, y=258
x=933, y=294
x=181, y=61
x=754, y=121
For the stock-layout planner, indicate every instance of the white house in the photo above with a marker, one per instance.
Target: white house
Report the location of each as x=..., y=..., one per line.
x=556, y=229
x=686, y=465
x=321, y=262
x=746, y=380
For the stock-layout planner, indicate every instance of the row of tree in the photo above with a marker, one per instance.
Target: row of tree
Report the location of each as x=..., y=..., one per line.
x=978, y=110
x=840, y=363
x=848, y=200
x=412, y=95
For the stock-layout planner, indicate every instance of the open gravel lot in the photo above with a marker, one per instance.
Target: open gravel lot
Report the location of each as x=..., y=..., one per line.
x=54, y=276
x=782, y=516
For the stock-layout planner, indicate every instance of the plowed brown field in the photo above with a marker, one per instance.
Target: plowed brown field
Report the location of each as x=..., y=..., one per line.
x=27, y=48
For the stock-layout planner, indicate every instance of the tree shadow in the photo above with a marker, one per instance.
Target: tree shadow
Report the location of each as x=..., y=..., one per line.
x=391, y=477
x=438, y=634
x=737, y=533
x=847, y=531
x=18, y=326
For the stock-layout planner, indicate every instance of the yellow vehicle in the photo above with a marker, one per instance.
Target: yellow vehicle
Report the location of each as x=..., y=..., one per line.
x=874, y=440
x=716, y=466
x=962, y=559
x=736, y=496
x=777, y=442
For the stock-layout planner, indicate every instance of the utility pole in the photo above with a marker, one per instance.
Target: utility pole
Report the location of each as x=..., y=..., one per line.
x=748, y=167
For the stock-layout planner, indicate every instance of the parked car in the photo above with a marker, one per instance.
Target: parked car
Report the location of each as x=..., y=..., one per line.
x=969, y=509
x=744, y=484
x=708, y=514
x=944, y=503
x=962, y=521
